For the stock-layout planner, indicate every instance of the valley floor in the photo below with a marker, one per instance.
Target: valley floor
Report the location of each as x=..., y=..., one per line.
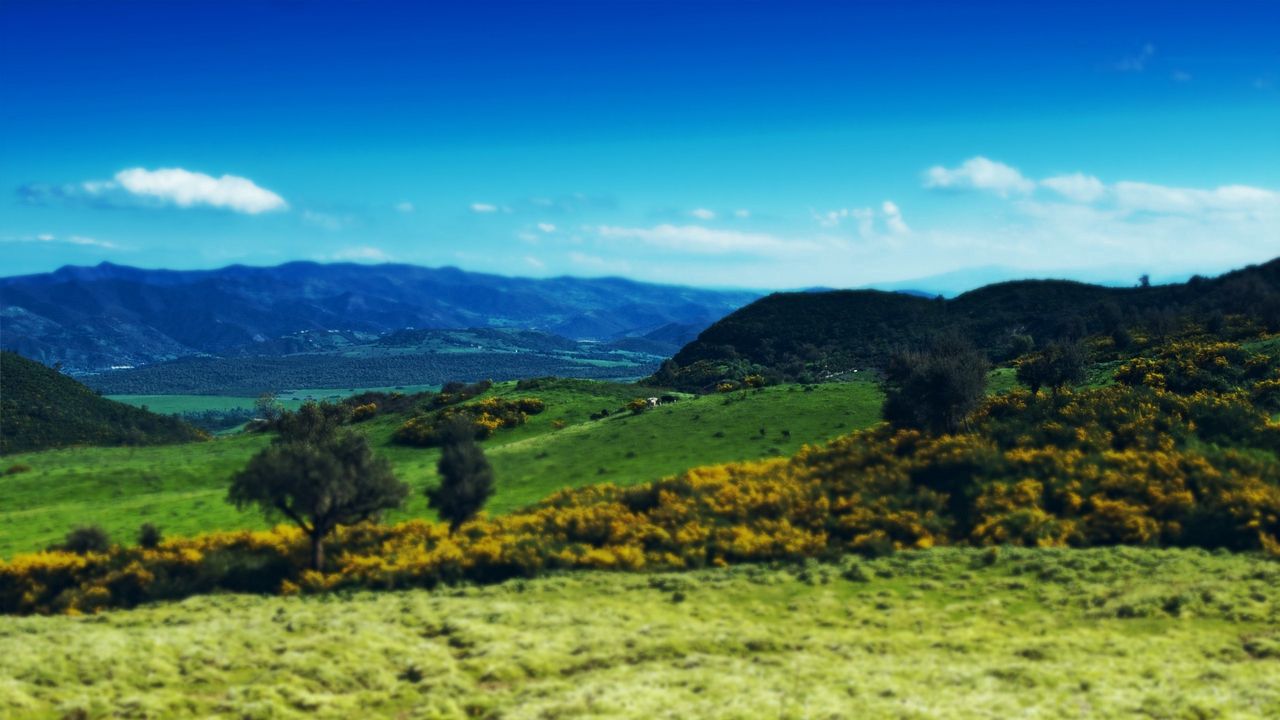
x=944, y=633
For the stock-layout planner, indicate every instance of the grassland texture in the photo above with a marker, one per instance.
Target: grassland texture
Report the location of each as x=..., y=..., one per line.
x=181, y=488
x=944, y=633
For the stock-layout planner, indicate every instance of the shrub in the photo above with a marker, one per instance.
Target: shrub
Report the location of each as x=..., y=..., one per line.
x=86, y=539
x=1058, y=365
x=485, y=417
x=937, y=389
x=149, y=536
x=361, y=413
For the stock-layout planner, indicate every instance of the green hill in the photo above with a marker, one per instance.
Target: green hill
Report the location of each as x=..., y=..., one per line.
x=42, y=408
x=819, y=335
x=182, y=487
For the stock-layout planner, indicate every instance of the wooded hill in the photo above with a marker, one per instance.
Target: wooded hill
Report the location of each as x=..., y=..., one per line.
x=820, y=335
x=42, y=408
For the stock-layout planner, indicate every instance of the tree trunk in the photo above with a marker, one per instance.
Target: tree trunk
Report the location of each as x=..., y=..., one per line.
x=317, y=552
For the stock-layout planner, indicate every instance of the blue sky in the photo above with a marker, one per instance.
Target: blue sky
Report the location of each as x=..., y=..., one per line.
x=766, y=145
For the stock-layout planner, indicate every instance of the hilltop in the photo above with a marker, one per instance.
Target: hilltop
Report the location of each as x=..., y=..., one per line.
x=42, y=408
x=818, y=335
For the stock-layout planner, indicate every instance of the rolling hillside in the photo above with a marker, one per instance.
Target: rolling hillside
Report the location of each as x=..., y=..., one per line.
x=182, y=488
x=818, y=335
x=42, y=408
x=90, y=318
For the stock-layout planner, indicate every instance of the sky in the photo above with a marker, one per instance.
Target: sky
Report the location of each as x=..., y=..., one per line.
x=736, y=144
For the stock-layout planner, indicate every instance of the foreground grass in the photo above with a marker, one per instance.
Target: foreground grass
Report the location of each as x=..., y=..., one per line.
x=945, y=633
x=181, y=488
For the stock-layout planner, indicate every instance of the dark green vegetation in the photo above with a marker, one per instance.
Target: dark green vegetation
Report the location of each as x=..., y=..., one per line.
x=42, y=408
x=181, y=488
x=822, y=335
x=466, y=477
x=955, y=633
x=92, y=318
x=319, y=476
x=935, y=390
x=417, y=357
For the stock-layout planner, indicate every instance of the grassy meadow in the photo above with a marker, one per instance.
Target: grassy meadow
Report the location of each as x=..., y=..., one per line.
x=181, y=488
x=943, y=633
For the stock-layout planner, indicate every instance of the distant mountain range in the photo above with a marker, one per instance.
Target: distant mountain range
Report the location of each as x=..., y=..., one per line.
x=94, y=318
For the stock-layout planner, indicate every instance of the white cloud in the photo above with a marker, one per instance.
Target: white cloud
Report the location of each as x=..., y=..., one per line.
x=742, y=213
x=98, y=187
x=598, y=264
x=82, y=240
x=866, y=217
x=362, y=253
x=1147, y=197
x=1076, y=186
x=1137, y=63
x=186, y=189
x=893, y=218
x=325, y=221
x=702, y=240
x=546, y=227
x=404, y=207
x=479, y=207
x=534, y=262
x=703, y=214
x=979, y=173
x=835, y=218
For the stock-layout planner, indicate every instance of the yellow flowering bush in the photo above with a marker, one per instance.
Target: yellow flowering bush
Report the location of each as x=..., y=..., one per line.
x=486, y=416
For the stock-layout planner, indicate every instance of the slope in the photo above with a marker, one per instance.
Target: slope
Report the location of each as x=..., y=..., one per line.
x=181, y=487
x=42, y=408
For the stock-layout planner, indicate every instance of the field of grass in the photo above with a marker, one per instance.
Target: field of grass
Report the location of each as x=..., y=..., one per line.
x=181, y=488
x=943, y=633
x=291, y=399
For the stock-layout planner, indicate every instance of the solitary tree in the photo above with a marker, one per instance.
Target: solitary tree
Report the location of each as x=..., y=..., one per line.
x=267, y=406
x=319, y=482
x=1058, y=365
x=935, y=390
x=466, y=479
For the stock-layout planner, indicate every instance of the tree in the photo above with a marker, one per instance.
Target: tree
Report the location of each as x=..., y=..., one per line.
x=313, y=422
x=935, y=390
x=267, y=406
x=1057, y=365
x=466, y=478
x=318, y=480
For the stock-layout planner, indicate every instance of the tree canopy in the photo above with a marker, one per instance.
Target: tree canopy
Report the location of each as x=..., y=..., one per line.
x=319, y=477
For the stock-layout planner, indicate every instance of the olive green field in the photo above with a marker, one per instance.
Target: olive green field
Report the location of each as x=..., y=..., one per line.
x=943, y=633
